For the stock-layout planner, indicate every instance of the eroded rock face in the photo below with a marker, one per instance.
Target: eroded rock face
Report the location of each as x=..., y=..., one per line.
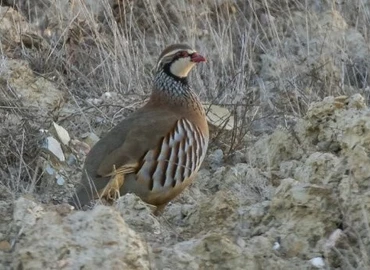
x=35, y=93
x=93, y=239
x=11, y=23
x=319, y=179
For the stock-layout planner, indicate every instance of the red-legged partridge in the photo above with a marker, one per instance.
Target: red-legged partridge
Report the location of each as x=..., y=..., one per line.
x=156, y=151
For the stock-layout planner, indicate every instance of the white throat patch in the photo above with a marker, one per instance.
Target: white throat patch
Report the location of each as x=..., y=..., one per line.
x=181, y=67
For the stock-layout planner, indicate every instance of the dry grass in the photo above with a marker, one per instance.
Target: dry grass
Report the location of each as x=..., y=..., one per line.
x=267, y=60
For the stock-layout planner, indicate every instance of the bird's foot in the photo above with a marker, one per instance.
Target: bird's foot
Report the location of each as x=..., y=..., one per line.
x=111, y=192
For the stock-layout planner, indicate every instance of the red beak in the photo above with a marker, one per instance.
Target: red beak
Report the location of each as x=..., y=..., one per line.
x=197, y=58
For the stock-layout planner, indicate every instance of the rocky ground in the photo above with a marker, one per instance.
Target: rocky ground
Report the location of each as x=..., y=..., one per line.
x=286, y=182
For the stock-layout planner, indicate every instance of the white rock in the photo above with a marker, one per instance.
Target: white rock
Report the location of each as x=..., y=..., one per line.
x=219, y=117
x=71, y=160
x=60, y=180
x=334, y=238
x=318, y=262
x=276, y=246
x=62, y=134
x=54, y=147
x=94, y=101
x=50, y=170
x=107, y=95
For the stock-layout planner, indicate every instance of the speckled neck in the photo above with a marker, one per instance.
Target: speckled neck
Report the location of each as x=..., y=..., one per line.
x=176, y=91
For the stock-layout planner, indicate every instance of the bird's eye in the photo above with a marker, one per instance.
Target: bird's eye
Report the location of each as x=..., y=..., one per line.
x=182, y=54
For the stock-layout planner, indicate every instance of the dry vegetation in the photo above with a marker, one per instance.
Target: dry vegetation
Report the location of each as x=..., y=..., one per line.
x=267, y=62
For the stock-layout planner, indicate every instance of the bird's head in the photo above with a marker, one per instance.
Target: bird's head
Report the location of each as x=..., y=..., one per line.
x=178, y=59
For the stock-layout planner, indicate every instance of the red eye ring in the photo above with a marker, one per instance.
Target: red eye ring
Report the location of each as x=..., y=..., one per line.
x=183, y=54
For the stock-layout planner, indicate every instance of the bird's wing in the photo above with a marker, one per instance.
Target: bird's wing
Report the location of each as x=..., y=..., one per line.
x=122, y=149
x=142, y=133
